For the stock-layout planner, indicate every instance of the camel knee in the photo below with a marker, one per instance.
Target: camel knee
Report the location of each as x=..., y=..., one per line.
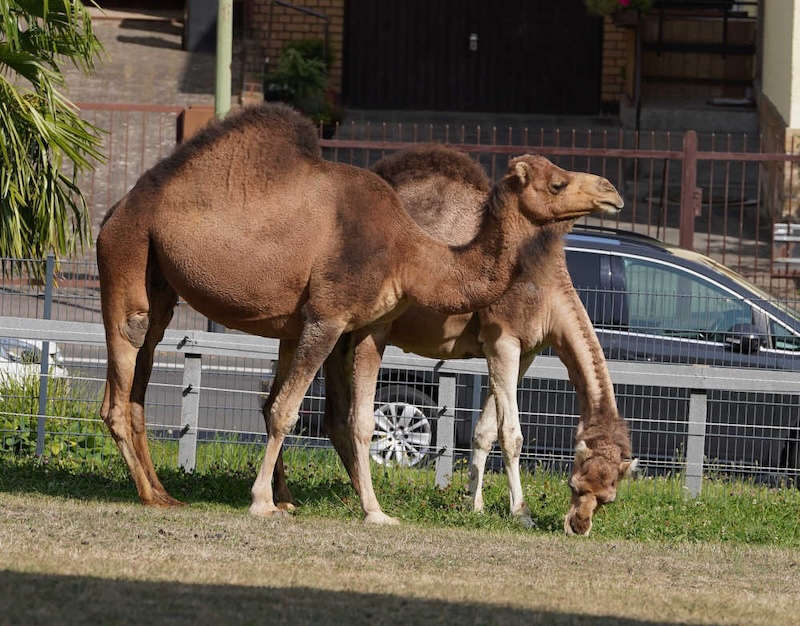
x=511, y=441
x=281, y=423
x=483, y=440
x=135, y=328
x=118, y=422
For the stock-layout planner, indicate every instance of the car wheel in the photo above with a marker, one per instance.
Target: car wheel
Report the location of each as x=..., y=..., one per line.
x=404, y=431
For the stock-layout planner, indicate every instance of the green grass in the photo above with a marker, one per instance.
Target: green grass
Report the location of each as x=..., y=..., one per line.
x=652, y=510
x=81, y=461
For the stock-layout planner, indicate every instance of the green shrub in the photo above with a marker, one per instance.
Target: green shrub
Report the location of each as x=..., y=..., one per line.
x=72, y=424
x=300, y=78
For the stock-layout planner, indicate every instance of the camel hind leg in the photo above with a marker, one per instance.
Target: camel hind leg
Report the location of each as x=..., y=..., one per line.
x=162, y=300
x=122, y=259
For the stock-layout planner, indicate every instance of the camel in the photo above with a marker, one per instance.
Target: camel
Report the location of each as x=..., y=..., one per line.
x=256, y=231
x=446, y=193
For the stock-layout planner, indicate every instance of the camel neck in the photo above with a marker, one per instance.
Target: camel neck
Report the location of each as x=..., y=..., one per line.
x=459, y=279
x=576, y=343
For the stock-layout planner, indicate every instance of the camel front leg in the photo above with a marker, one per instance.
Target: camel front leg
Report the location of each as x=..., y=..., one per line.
x=282, y=494
x=351, y=374
x=316, y=341
x=503, y=359
x=482, y=441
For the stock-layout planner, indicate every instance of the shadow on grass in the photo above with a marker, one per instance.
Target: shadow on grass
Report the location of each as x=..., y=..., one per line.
x=48, y=599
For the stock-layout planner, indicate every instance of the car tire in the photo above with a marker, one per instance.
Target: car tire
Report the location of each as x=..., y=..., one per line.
x=405, y=433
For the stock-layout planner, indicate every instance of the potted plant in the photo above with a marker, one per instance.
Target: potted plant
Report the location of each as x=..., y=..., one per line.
x=622, y=12
x=300, y=78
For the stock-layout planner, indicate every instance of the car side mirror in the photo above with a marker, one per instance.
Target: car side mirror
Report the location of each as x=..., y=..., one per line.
x=743, y=338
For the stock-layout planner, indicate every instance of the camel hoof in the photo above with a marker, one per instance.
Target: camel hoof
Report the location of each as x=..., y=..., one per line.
x=523, y=517
x=474, y=503
x=163, y=501
x=380, y=518
x=286, y=506
x=267, y=510
x=526, y=521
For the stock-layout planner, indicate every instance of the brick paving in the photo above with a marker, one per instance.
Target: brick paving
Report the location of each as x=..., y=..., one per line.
x=143, y=63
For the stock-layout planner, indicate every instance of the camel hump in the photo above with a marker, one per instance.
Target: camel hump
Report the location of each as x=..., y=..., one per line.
x=429, y=160
x=272, y=121
x=274, y=130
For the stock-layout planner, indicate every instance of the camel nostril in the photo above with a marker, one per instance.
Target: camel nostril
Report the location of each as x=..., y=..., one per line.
x=605, y=185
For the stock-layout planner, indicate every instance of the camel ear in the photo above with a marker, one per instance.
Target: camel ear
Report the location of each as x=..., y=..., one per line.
x=582, y=452
x=628, y=468
x=523, y=172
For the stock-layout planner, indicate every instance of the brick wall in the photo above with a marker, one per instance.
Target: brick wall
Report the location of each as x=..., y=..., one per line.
x=619, y=49
x=287, y=25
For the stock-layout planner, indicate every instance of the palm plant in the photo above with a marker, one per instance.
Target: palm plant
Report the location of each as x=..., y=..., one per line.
x=44, y=144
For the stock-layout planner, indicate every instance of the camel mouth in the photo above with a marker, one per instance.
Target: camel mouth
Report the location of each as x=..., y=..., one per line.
x=610, y=206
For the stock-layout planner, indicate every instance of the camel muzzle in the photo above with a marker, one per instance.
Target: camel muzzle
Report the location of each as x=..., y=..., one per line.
x=574, y=525
x=607, y=199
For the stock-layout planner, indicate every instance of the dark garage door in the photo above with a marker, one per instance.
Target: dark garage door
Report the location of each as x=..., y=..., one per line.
x=532, y=56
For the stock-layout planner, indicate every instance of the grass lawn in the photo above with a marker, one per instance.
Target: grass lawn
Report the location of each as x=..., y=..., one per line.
x=76, y=548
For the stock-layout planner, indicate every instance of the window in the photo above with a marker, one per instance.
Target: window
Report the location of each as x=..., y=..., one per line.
x=663, y=300
x=591, y=275
x=783, y=338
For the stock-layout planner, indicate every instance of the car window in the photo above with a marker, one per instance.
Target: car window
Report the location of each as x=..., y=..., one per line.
x=605, y=308
x=783, y=338
x=664, y=300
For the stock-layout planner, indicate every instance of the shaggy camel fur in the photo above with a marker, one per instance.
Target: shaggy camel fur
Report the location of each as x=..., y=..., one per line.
x=256, y=231
x=445, y=191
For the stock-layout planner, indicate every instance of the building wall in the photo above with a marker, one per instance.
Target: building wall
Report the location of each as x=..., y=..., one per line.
x=781, y=57
x=779, y=103
x=272, y=29
x=270, y=33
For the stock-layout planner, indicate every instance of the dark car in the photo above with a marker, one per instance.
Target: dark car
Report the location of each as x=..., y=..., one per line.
x=648, y=302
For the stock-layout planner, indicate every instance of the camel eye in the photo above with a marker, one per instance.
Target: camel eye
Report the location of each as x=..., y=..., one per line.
x=558, y=186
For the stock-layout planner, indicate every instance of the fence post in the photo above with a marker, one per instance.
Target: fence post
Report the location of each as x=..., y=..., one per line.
x=689, y=191
x=445, y=425
x=696, y=441
x=190, y=407
x=44, y=368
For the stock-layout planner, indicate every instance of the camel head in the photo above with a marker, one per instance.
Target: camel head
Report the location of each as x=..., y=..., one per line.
x=548, y=193
x=594, y=480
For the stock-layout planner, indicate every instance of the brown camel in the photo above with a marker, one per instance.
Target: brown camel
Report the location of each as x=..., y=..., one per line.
x=445, y=192
x=256, y=231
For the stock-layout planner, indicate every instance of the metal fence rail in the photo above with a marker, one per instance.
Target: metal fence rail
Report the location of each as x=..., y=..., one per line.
x=702, y=192
x=724, y=195
x=684, y=434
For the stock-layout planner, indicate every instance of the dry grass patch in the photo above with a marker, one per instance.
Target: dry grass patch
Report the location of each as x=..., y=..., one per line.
x=73, y=561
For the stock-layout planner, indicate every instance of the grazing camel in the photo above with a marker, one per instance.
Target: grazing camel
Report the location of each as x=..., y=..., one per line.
x=446, y=193
x=256, y=231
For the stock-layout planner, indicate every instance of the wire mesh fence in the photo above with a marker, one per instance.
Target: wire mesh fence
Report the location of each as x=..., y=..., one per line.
x=750, y=426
